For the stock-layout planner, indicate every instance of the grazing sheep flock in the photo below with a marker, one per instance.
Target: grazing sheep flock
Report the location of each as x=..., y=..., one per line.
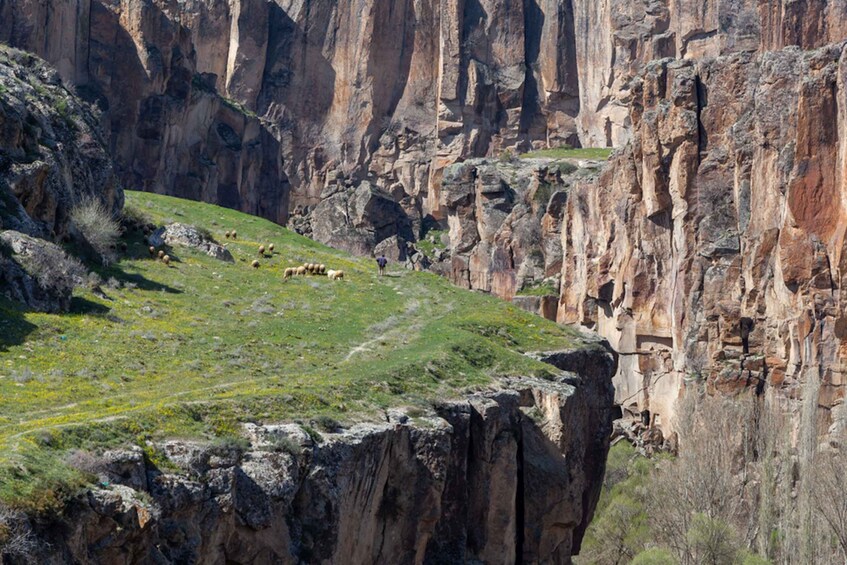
x=316, y=269
x=312, y=269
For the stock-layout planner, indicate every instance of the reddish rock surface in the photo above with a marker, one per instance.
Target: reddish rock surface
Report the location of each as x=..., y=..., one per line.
x=712, y=247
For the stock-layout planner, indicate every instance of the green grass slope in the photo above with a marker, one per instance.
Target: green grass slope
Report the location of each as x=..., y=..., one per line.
x=597, y=153
x=196, y=348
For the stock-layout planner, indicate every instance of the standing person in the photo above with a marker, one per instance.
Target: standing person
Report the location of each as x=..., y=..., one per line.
x=381, y=263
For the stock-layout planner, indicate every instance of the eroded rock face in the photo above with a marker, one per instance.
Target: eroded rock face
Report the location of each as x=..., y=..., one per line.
x=511, y=475
x=712, y=248
x=616, y=39
x=261, y=104
x=504, y=219
x=52, y=154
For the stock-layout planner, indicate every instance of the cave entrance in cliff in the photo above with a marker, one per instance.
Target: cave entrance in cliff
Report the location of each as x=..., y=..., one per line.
x=617, y=412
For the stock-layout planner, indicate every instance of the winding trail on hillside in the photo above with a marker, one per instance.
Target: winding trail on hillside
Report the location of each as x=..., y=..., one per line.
x=402, y=328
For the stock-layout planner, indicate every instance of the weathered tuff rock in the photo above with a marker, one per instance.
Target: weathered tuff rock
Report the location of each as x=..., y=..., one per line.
x=52, y=155
x=506, y=476
x=712, y=248
x=616, y=39
x=189, y=236
x=505, y=224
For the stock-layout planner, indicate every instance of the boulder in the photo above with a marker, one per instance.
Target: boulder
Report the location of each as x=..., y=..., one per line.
x=191, y=237
x=38, y=273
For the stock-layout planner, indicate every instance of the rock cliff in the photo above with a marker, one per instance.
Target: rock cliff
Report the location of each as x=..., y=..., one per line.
x=168, y=128
x=712, y=247
x=501, y=477
x=263, y=104
x=231, y=101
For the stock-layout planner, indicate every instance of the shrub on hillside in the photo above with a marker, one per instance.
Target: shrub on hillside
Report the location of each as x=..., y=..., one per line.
x=98, y=226
x=16, y=538
x=54, y=269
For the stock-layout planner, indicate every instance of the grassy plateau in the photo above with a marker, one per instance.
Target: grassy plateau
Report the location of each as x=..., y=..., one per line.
x=195, y=349
x=595, y=153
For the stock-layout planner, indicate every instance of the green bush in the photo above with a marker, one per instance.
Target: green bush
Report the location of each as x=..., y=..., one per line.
x=285, y=445
x=326, y=424
x=230, y=446
x=567, y=168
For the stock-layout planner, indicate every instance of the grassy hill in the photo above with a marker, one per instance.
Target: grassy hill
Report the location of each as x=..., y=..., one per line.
x=196, y=348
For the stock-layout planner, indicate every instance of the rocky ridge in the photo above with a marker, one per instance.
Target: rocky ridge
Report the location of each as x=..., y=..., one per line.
x=509, y=475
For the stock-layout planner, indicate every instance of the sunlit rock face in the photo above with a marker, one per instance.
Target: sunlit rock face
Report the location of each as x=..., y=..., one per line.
x=712, y=247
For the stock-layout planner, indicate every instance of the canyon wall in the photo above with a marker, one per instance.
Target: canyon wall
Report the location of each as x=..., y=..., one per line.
x=263, y=104
x=507, y=476
x=712, y=247
x=168, y=129
x=694, y=252
x=260, y=104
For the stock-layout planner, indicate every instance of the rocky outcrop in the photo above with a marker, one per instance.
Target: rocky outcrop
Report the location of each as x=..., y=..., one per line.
x=52, y=155
x=356, y=219
x=507, y=476
x=504, y=219
x=712, y=248
x=37, y=273
x=189, y=236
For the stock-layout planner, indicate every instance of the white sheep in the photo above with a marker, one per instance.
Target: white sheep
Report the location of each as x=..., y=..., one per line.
x=335, y=275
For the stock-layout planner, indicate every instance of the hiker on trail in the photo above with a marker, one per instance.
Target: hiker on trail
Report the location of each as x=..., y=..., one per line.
x=381, y=263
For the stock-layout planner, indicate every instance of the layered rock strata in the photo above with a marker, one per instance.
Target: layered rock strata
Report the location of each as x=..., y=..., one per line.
x=506, y=476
